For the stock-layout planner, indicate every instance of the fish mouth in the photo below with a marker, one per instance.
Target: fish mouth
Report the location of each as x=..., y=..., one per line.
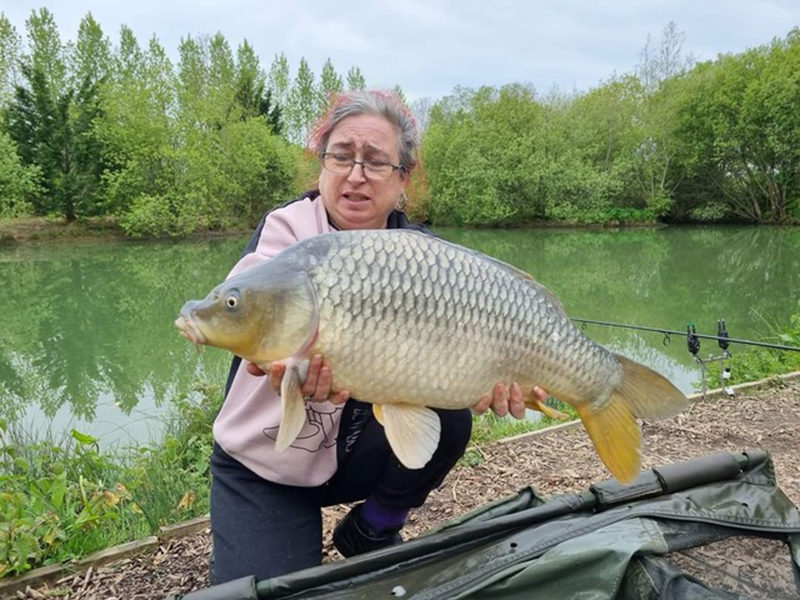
x=190, y=330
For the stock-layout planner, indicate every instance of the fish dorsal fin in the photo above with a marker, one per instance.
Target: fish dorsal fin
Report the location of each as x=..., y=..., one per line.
x=293, y=407
x=413, y=432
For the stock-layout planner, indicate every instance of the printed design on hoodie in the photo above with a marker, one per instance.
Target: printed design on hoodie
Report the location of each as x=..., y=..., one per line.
x=319, y=430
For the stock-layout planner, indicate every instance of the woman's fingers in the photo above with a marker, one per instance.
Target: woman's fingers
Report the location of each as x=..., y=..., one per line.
x=254, y=370
x=309, y=387
x=499, y=400
x=506, y=399
x=324, y=379
x=276, y=373
x=483, y=404
x=340, y=397
x=516, y=402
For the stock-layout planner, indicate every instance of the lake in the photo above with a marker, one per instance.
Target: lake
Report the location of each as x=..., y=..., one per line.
x=87, y=338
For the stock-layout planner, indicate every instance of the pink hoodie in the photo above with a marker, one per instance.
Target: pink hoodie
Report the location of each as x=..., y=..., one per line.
x=247, y=425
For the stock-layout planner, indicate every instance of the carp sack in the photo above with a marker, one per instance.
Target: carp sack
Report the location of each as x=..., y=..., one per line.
x=407, y=322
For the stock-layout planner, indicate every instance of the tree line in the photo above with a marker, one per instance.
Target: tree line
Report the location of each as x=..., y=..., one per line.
x=92, y=129
x=674, y=141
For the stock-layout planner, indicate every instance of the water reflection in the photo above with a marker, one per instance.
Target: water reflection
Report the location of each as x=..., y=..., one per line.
x=87, y=333
x=91, y=325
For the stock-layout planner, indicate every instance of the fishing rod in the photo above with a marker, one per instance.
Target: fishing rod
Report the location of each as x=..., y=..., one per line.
x=693, y=343
x=722, y=334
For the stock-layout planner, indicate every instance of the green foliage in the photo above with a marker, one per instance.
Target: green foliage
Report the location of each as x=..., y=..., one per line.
x=303, y=104
x=756, y=363
x=501, y=157
x=169, y=149
x=65, y=501
x=719, y=141
x=740, y=131
x=17, y=181
x=330, y=84
x=355, y=79
x=10, y=50
x=53, y=121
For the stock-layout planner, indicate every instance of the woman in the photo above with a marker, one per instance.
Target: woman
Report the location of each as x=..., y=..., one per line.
x=265, y=505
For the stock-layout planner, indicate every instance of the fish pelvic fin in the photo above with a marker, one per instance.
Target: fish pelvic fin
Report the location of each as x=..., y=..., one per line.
x=293, y=406
x=533, y=403
x=413, y=432
x=613, y=425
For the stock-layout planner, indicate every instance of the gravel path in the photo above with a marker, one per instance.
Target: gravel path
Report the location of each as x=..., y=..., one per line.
x=556, y=462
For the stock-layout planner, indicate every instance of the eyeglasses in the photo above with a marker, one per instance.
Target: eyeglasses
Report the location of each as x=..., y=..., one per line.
x=342, y=164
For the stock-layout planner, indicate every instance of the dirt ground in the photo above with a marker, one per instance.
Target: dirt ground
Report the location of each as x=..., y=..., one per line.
x=556, y=462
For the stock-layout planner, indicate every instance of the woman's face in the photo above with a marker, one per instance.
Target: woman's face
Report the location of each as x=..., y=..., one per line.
x=353, y=200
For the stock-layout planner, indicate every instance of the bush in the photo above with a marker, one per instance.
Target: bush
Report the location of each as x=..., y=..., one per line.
x=149, y=216
x=17, y=181
x=62, y=501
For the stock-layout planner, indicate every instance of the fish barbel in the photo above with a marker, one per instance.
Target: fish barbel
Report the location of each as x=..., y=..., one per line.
x=409, y=322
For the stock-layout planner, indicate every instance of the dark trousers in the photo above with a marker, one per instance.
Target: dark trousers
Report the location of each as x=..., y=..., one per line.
x=266, y=529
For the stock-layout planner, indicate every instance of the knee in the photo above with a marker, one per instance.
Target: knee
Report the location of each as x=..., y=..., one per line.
x=456, y=430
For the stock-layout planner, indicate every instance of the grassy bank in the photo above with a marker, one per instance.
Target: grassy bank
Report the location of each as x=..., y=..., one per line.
x=39, y=229
x=65, y=499
x=750, y=363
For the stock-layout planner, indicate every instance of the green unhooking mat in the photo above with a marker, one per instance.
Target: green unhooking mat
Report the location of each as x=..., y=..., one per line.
x=609, y=542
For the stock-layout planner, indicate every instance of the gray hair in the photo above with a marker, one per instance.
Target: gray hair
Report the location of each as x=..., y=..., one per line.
x=372, y=102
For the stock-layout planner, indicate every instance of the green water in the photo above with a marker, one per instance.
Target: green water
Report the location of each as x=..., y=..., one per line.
x=87, y=339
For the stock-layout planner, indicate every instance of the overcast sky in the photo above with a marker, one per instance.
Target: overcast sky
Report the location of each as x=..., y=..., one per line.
x=429, y=47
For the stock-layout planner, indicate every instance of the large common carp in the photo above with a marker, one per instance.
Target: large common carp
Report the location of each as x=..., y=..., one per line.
x=407, y=321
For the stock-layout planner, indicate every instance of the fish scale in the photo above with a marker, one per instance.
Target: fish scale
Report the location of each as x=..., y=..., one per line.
x=409, y=322
x=452, y=304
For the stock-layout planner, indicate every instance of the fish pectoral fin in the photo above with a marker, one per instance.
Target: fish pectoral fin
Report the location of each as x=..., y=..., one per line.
x=413, y=432
x=293, y=407
x=536, y=404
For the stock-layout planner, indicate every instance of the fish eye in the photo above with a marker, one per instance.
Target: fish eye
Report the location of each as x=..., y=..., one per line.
x=232, y=300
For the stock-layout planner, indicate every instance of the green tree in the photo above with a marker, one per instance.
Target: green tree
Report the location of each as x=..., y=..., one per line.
x=10, y=51
x=17, y=181
x=47, y=53
x=53, y=122
x=251, y=91
x=192, y=80
x=136, y=129
x=278, y=84
x=91, y=59
x=355, y=79
x=481, y=154
x=740, y=131
x=330, y=84
x=663, y=59
x=221, y=84
x=302, y=104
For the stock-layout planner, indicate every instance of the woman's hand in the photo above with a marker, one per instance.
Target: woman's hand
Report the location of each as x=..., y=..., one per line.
x=503, y=401
x=317, y=386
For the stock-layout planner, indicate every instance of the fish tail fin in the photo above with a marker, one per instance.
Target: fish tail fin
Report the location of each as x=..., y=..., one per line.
x=612, y=425
x=293, y=407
